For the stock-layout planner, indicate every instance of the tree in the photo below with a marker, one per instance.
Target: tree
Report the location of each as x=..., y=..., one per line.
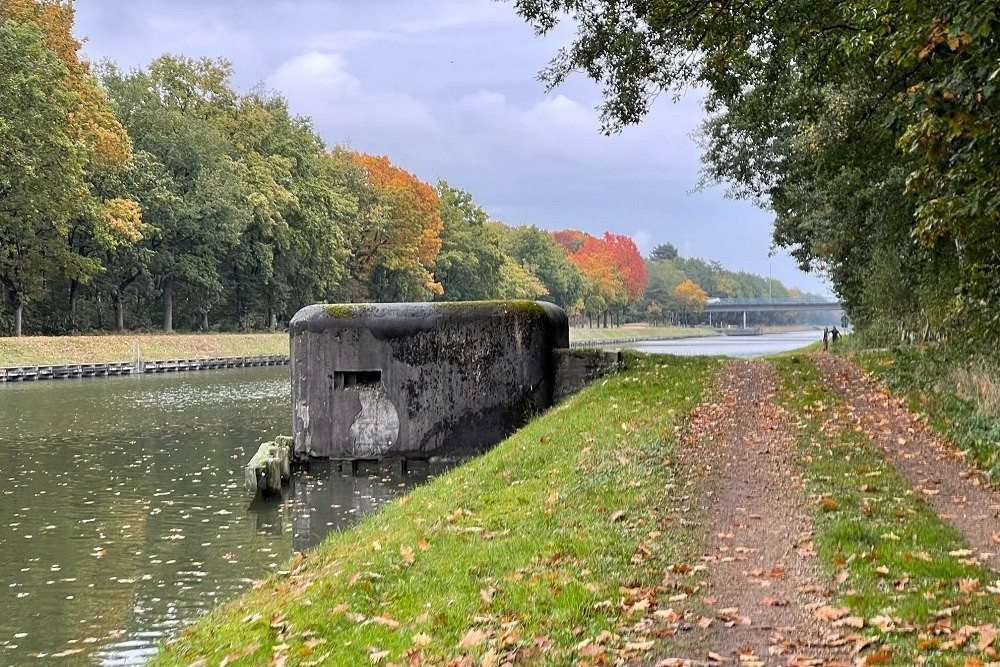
x=400, y=235
x=537, y=252
x=629, y=264
x=57, y=134
x=866, y=127
x=470, y=263
x=179, y=111
x=663, y=252
x=604, y=283
x=690, y=299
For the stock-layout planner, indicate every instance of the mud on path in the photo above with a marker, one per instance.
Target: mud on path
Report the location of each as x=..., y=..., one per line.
x=762, y=571
x=958, y=493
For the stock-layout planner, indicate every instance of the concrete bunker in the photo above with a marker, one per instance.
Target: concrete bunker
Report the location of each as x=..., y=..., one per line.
x=418, y=380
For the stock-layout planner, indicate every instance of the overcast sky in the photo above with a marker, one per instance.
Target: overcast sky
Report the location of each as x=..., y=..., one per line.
x=447, y=89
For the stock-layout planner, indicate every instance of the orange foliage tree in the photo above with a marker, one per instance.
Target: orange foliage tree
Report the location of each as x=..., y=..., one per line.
x=690, y=298
x=399, y=234
x=612, y=266
x=64, y=141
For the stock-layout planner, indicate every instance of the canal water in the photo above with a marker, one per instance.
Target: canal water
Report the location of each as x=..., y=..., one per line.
x=731, y=346
x=123, y=513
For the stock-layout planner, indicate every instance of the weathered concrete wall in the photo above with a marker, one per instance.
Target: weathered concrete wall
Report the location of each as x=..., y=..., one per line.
x=576, y=368
x=420, y=379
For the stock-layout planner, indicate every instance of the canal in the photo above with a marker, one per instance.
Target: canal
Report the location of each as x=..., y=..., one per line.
x=731, y=346
x=123, y=513
x=122, y=509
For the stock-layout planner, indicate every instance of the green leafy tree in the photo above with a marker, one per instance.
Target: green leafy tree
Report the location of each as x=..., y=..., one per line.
x=178, y=111
x=57, y=133
x=537, y=251
x=470, y=261
x=867, y=128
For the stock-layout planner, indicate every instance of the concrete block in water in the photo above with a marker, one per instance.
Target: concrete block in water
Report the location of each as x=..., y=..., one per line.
x=269, y=467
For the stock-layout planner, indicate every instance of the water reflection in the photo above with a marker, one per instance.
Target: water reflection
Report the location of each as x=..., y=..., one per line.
x=123, y=514
x=731, y=346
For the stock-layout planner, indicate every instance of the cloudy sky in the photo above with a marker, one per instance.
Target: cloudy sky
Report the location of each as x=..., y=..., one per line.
x=447, y=89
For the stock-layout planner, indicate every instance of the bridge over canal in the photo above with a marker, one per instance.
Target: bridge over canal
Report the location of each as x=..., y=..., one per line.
x=767, y=304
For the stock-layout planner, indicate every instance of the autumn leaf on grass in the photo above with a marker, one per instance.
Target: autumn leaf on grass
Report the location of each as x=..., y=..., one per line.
x=879, y=657
x=407, y=554
x=987, y=635
x=377, y=656
x=968, y=585
x=829, y=613
x=550, y=501
x=472, y=638
x=242, y=653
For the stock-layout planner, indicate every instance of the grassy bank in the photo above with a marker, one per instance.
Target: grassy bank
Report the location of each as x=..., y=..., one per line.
x=550, y=549
x=907, y=584
x=959, y=396
x=31, y=350
x=586, y=334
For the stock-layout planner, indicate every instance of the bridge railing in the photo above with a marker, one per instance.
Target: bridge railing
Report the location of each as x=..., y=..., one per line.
x=756, y=300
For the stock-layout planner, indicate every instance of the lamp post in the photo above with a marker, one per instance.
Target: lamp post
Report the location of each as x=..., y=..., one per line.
x=769, y=278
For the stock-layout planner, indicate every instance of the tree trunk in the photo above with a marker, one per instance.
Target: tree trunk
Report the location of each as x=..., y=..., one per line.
x=168, y=307
x=119, y=313
x=273, y=322
x=18, y=311
x=74, y=293
x=204, y=320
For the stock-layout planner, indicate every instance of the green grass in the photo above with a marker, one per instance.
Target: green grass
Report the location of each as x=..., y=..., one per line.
x=554, y=541
x=901, y=567
x=926, y=379
x=586, y=334
x=34, y=350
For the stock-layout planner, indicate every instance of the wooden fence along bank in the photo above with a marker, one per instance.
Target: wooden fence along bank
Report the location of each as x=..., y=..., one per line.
x=138, y=367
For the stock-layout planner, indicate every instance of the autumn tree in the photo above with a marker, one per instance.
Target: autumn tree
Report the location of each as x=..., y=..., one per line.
x=58, y=135
x=628, y=262
x=690, y=299
x=399, y=238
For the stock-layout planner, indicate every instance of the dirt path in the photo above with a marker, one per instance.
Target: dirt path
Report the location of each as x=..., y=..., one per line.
x=932, y=466
x=760, y=558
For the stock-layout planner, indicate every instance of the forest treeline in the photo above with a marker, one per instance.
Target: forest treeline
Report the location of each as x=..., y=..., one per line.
x=162, y=198
x=868, y=128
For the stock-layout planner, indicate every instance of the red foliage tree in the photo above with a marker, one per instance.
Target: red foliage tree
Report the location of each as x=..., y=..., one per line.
x=628, y=262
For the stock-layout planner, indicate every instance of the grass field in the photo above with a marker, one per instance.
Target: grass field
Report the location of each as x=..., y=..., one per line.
x=33, y=350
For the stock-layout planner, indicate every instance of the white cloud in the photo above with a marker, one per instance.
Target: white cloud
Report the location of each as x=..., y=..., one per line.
x=324, y=73
x=346, y=40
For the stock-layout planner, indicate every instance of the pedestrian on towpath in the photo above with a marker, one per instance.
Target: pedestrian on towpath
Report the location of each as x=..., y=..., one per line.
x=834, y=336
x=826, y=338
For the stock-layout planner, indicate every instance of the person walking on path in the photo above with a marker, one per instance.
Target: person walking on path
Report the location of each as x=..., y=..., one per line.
x=826, y=338
x=834, y=336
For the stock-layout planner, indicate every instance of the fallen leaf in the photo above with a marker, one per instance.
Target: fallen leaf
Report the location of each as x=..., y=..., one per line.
x=828, y=613
x=407, y=554
x=968, y=585
x=639, y=646
x=472, y=638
